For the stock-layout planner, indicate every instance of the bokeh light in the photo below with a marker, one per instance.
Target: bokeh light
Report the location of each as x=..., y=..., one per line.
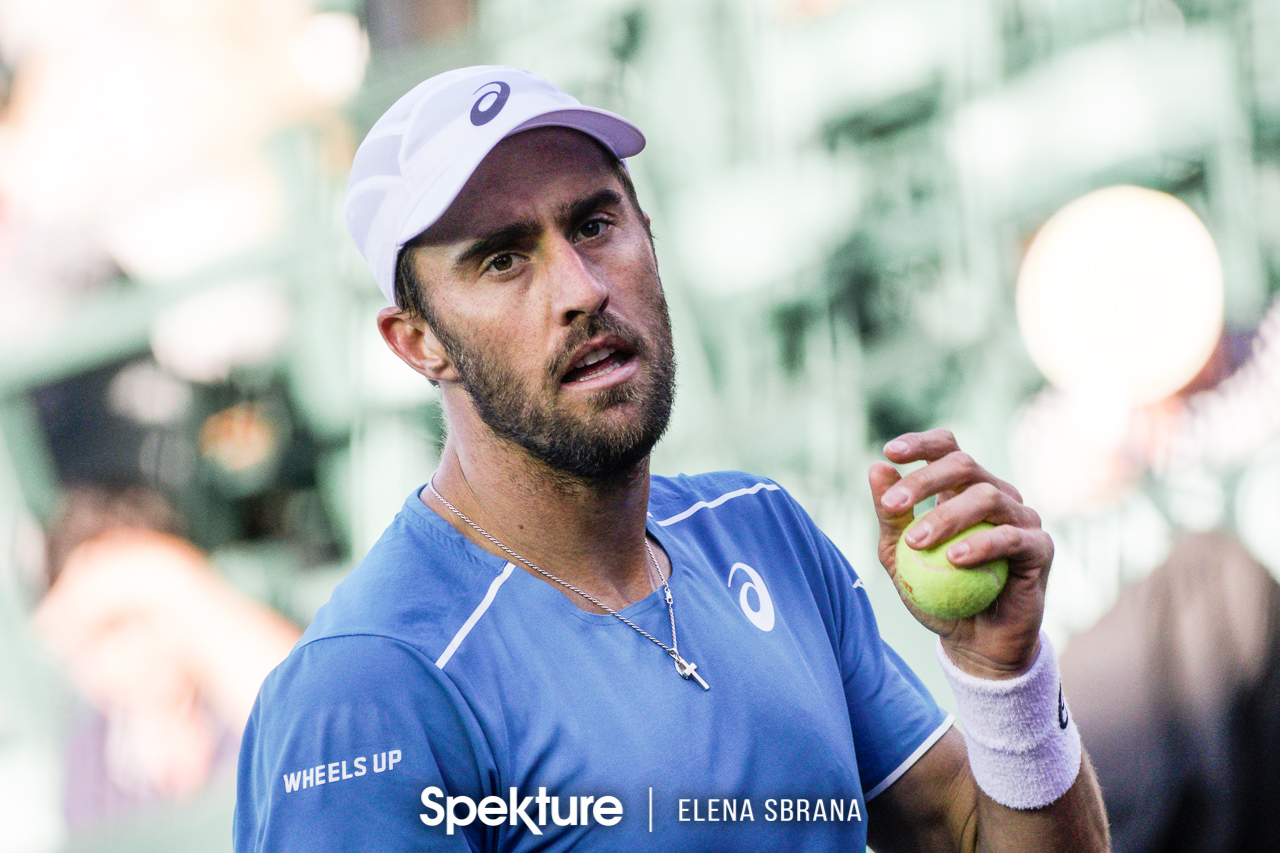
x=1121, y=292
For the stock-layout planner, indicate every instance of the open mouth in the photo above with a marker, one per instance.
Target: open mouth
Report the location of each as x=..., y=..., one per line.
x=597, y=363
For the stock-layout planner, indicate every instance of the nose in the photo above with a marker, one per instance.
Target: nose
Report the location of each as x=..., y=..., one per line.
x=576, y=288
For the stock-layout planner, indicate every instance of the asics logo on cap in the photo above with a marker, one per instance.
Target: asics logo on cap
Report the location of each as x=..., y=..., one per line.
x=481, y=115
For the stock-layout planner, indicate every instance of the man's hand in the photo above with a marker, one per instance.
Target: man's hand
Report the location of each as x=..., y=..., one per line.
x=1003, y=640
x=937, y=804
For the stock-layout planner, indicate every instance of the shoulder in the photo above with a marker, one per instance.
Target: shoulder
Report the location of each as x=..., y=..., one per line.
x=343, y=737
x=728, y=500
x=356, y=692
x=348, y=668
x=417, y=587
x=733, y=518
x=674, y=499
x=352, y=689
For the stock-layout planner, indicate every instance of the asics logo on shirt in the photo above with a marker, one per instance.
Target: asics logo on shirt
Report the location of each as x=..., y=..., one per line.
x=761, y=615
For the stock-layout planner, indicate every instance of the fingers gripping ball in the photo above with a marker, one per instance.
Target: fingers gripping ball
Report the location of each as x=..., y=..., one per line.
x=942, y=590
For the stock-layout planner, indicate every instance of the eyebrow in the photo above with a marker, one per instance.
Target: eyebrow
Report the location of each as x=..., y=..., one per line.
x=581, y=209
x=515, y=234
x=523, y=233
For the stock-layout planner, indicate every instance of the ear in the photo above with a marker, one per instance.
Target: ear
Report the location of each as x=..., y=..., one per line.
x=416, y=345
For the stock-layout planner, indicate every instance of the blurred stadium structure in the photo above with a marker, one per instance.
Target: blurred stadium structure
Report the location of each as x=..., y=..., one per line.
x=842, y=194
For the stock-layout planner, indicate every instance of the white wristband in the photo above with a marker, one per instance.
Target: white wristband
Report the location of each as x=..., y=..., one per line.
x=1024, y=748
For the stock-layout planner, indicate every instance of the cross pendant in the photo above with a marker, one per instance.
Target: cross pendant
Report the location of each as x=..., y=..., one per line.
x=689, y=670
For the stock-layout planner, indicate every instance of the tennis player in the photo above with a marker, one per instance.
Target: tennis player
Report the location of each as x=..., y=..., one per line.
x=552, y=649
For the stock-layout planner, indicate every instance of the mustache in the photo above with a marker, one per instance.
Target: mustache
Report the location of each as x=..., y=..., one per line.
x=593, y=326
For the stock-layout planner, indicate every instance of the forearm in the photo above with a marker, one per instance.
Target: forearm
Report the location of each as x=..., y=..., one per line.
x=1034, y=786
x=1074, y=823
x=938, y=807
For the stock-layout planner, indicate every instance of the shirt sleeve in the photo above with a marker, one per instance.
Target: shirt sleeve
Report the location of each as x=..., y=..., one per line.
x=345, y=737
x=893, y=716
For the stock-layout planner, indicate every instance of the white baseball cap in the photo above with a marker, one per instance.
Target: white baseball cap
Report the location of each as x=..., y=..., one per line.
x=418, y=156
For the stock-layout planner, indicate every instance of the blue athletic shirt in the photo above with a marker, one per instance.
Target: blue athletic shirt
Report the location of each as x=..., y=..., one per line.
x=439, y=675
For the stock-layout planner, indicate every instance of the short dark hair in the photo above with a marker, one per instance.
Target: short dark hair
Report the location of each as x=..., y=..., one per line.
x=411, y=296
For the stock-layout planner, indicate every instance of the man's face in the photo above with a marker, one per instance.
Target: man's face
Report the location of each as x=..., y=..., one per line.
x=543, y=290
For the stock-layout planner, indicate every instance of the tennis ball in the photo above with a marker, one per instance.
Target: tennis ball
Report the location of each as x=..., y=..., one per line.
x=939, y=588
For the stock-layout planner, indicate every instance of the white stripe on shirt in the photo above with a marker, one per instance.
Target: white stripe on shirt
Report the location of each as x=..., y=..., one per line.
x=715, y=503
x=475, y=616
x=911, y=759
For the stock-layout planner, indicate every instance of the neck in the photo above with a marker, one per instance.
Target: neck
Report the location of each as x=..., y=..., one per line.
x=588, y=533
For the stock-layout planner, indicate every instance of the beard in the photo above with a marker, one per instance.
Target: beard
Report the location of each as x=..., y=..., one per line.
x=568, y=443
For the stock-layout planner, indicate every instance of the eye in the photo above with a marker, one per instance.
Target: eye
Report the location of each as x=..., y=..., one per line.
x=592, y=228
x=503, y=262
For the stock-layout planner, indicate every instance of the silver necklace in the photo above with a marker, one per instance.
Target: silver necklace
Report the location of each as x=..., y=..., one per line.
x=687, y=670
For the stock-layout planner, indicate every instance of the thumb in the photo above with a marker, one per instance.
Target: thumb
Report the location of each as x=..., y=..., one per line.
x=882, y=477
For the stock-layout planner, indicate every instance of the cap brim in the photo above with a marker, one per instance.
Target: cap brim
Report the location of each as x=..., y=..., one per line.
x=620, y=136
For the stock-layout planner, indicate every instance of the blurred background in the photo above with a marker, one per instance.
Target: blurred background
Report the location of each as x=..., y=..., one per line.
x=1052, y=227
